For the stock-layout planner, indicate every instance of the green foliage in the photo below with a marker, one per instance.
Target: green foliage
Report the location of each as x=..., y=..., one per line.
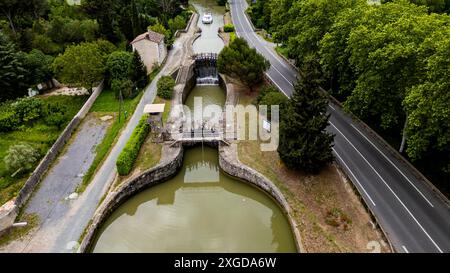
x=165, y=87
x=159, y=28
x=38, y=66
x=28, y=109
x=12, y=71
x=382, y=61
x=122, y=87
x=130, y=152
x=239, y=61
x=21, y=157
x=304, y=143
x=82, y=64
x=119, y=65
x=139, y=71
x=228, y=28
x=259, y=12
x=179, y=22
x=264, y=90
x=274, y=98
x=8, y=118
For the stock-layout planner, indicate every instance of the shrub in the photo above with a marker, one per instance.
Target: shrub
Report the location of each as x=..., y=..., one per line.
x=266, y=89
x=8, y=119
x=125, y=86
x=20, y=157
x=228, y=28
x=55, y=114
x=165, y=87
x=273, y=98
x=28, y=109
x=119, y=65
x=128, y=156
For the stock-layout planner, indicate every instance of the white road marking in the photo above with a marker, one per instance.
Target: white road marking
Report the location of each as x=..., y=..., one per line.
x=240, y=23
x=390, y=189
x=356, y=179
x=392, y=163
x=404, y=248
x=331, y=107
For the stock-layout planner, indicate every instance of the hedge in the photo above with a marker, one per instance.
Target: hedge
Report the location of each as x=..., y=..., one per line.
x=127, y=157
x=228, y=28
x=165, y=87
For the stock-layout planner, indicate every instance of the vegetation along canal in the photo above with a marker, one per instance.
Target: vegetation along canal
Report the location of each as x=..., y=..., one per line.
x=201, y=209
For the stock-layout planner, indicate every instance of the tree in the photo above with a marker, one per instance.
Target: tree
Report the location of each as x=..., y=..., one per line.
x=122, y=87
x=139, y=74
x=274, y=98
x=119, y=65
x=177, y=23
x=20, y=157
x=55, y=114
x=12, y=71
x=165, y=87
x=240, y=61
x=38, y=66
x=427, y=104
x=82, y=64
x=28, y=109
x=304, y=143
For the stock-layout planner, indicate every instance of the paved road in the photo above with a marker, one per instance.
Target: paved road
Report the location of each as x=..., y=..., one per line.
x=414, y=217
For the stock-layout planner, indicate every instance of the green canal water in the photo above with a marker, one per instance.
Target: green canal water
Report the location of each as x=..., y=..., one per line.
x=209, y=41
x=200, y=210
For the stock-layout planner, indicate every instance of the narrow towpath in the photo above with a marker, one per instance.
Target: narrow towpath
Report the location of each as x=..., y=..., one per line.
x=61, y=229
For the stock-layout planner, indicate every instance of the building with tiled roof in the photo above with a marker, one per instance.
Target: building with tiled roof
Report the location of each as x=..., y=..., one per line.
x=150, y=45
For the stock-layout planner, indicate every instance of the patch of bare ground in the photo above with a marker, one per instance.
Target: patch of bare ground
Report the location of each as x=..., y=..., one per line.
x=329, y=214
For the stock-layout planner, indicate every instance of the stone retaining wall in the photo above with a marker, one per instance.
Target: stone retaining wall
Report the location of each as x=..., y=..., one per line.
x=8, y=215
x=167, y=168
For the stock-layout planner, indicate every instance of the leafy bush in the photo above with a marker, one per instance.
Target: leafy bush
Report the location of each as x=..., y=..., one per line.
x=8, y=118
x=266, y=89
x=130, y=152
x=20, y=157
x=55, y=115
x=119, y=65
x=125, y=86
x=228, y=28
x=165, y=87
x=28, y=109
x=273, y=98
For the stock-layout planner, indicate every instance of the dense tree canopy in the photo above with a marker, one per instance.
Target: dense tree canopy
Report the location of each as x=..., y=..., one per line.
x=240, y=61
x=385, y=62
x=12, y=71
x=304, y=143
x=82, y=64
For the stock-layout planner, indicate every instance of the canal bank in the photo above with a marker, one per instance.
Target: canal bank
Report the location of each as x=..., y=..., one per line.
x=135, y=199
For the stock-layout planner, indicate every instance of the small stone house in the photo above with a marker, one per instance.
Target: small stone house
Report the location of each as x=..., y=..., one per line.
x=151, y=47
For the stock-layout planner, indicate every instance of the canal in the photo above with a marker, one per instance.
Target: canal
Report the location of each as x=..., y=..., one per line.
x=201, y=209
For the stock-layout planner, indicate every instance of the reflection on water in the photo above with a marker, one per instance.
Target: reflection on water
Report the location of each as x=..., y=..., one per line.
x=199, y=210
x=209, y=41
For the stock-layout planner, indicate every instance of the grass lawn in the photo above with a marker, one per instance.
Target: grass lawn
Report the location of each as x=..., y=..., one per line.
x=37, y=134
x=107, y=104
x=166, y=113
